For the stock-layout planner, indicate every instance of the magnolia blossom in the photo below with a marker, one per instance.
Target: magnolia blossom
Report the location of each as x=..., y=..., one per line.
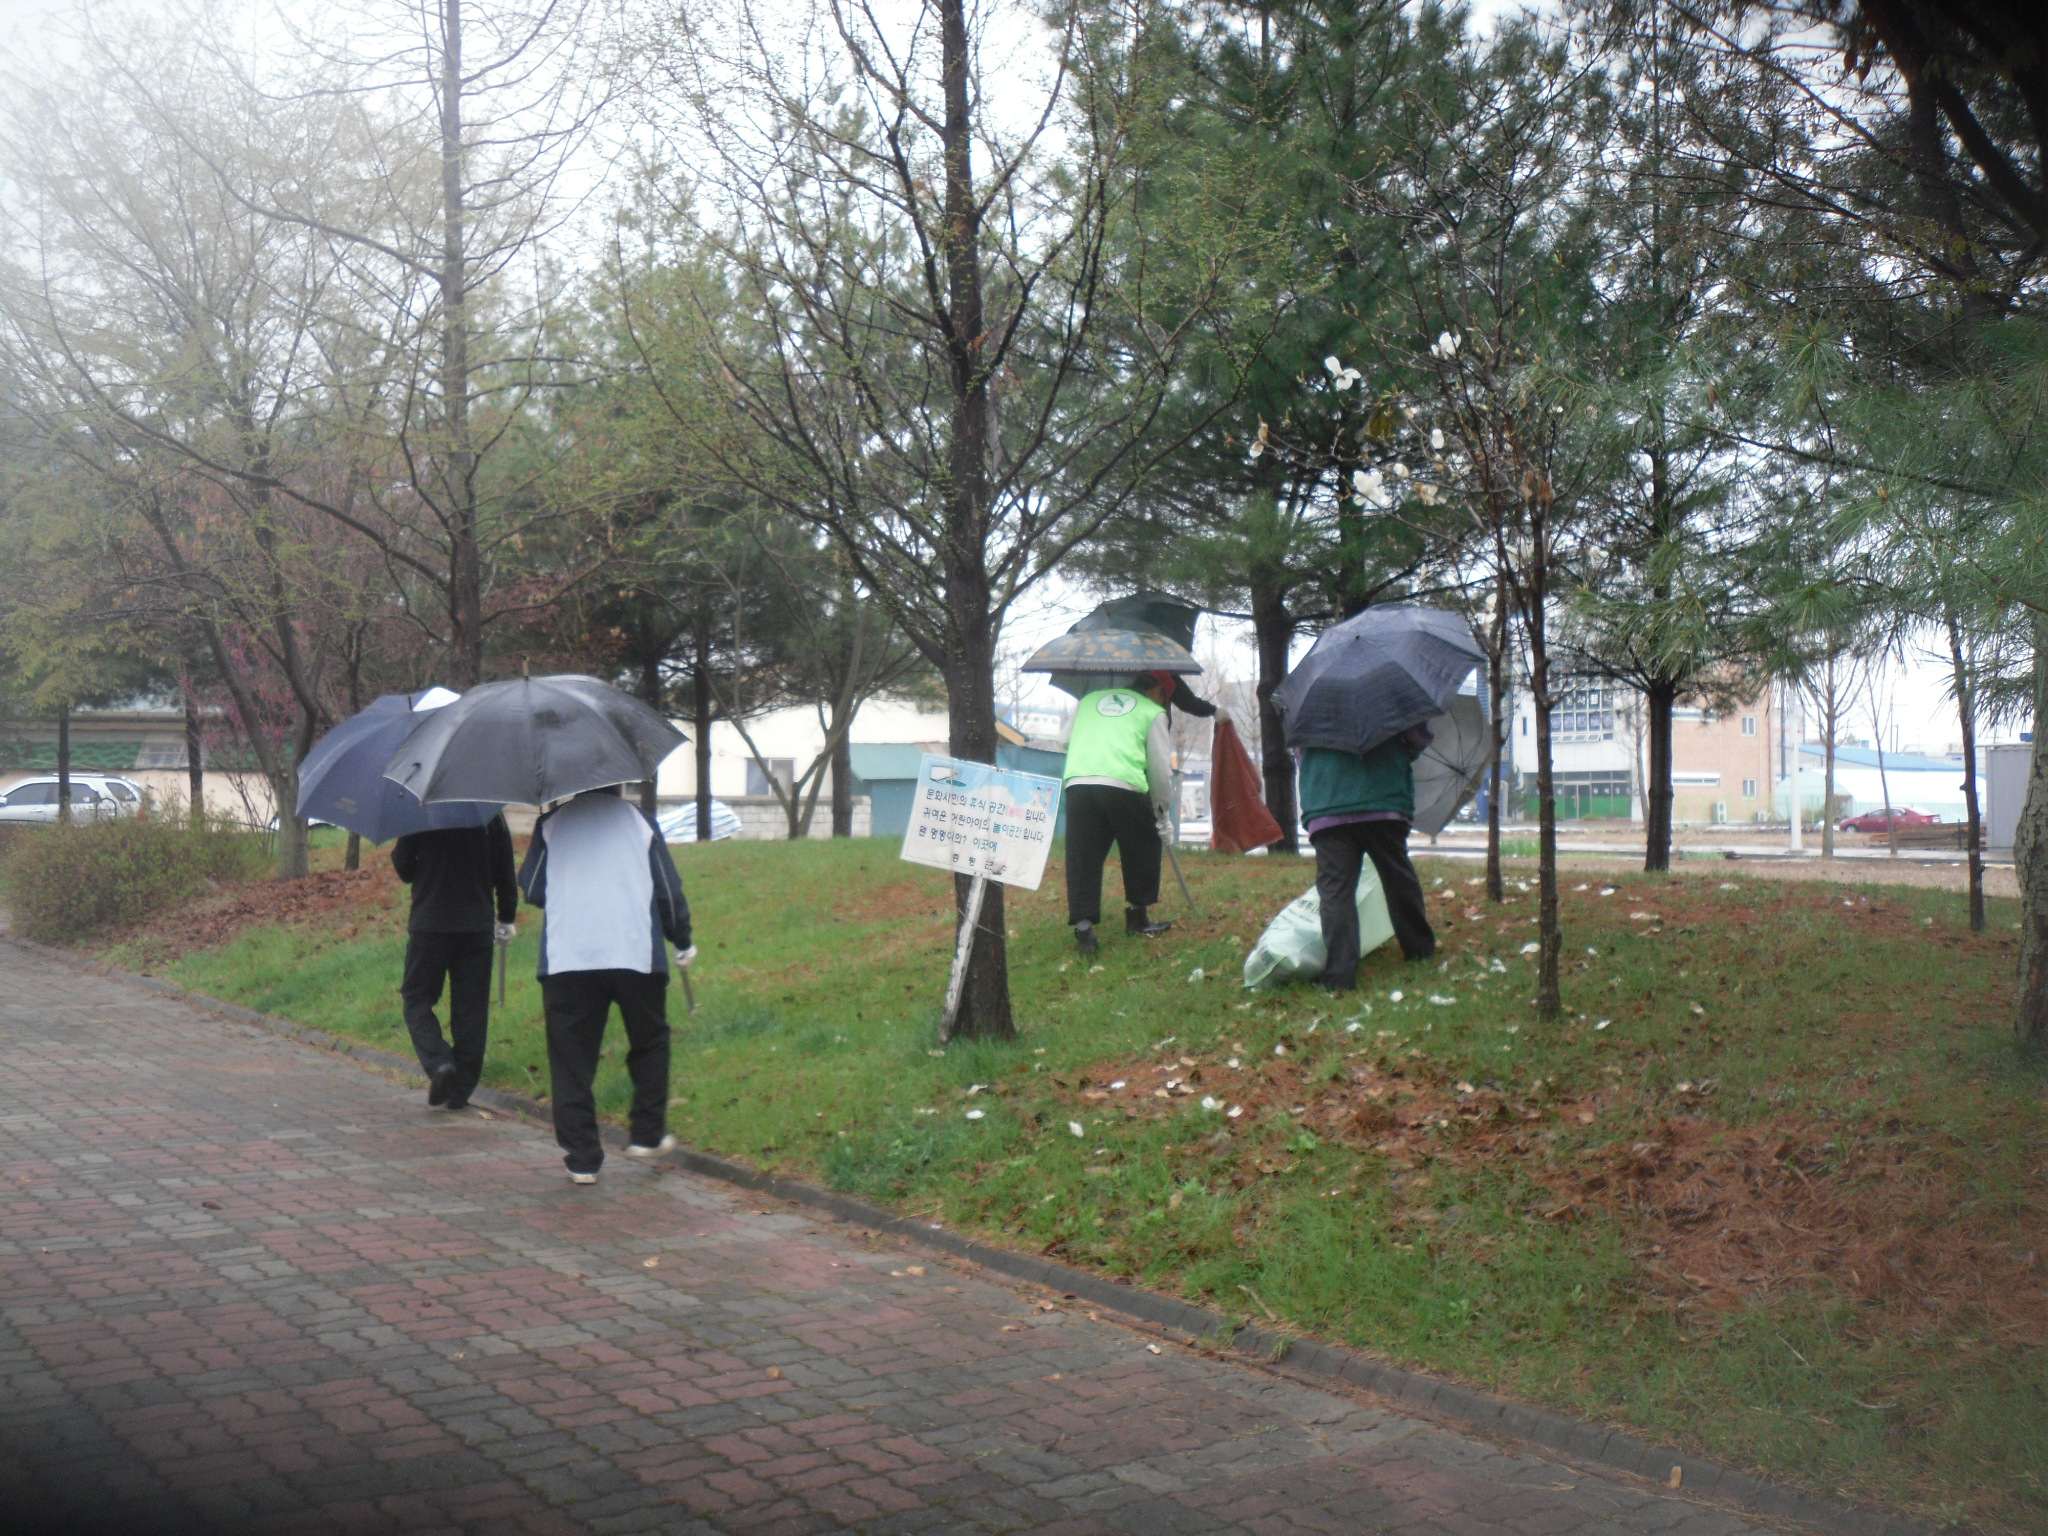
x=1343, y=376
x=1436, y=438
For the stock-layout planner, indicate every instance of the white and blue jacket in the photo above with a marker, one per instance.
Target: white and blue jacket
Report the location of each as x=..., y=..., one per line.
x=602, y=872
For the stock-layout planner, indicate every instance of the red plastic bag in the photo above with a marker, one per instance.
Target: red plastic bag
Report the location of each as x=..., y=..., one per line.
x=1238, y=818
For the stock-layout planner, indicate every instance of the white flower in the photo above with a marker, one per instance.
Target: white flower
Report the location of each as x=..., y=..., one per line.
x=974, y=1114
x=1333, y=365
x=1400, y=471
x=1075, y=1127
x=1428, y=493
x=1449, y=343
x=1436, y=438
x=1258, y=450
x=1346, y=379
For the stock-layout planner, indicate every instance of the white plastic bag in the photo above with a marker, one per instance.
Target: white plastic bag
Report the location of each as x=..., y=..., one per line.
x=1292, y=949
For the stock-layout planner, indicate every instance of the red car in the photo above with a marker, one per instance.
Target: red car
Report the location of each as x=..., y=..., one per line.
x=1903, y=815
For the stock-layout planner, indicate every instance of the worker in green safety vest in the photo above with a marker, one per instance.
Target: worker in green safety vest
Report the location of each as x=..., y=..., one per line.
x=1119, y=790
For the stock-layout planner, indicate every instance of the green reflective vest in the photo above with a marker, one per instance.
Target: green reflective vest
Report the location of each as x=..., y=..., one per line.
x=1109, y=737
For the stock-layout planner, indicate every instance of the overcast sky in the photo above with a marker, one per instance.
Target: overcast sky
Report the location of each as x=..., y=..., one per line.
x=1917, y=686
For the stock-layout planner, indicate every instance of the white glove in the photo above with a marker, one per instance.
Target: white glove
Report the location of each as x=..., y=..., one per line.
x=685, y=956
x=504, y=933
x=1163, y=820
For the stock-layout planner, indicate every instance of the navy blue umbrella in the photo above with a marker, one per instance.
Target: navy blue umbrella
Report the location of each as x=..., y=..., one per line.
x=1374, y=675
x=342, y=779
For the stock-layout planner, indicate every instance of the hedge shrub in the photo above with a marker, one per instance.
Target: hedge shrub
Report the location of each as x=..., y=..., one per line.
x=65, y=884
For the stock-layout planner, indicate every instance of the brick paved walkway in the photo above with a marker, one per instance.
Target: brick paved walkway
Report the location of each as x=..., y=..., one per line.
x=245, y=1286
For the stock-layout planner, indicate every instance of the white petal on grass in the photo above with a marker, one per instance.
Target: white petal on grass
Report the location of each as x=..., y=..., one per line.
x=1531, y=948
x=976, y=1114
x=1116, y=1085
x=1075, y=1127
x=1603, y=1023
x=1606, y=890
x=1197, y=974
x=1394, y=996
x=1211, y=1103
x=1234, y=1111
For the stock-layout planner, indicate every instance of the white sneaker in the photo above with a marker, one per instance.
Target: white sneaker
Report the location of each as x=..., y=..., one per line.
x=667, y=1144
x=582, y=1178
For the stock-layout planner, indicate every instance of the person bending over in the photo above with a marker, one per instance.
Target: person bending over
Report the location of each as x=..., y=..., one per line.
x=1119, y=787
x=599, y=869
x=463, y=897
x=1357, y=806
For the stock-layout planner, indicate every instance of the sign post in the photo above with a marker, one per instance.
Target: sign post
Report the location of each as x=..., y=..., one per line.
x=985, y=822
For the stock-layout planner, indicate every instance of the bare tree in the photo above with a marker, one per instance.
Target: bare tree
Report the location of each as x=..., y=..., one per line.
x=924, y=364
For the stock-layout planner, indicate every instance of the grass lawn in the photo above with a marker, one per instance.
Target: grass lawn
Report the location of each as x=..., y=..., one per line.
x=1774, y=1189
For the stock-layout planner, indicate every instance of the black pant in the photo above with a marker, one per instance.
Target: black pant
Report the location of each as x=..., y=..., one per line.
x=1098, y=816
x=463, y=961
x=577, y=1005
x=1340, y=852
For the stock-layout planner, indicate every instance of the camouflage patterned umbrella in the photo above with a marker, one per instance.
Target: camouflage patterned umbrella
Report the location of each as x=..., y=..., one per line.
x=1141, y=611
x=1082, y=661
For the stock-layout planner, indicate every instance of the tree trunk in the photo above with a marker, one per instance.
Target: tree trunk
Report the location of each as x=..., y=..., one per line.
x=195, y=766
x=1548, y=934
x=1884, y=786
x=64, y=765
x=971, y=709
x=1659, y=699
x=1497, y=689
x=353, y=858
x=458, y=487
x=842, y=788
x=702, y=686
x=651, y=691
x=971, y=620
x=1973, y=825
x=1273, y=633
x=291, y=829
x=2030, y=860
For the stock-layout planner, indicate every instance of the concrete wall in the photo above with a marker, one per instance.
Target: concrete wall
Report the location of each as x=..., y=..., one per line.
x=794, y=734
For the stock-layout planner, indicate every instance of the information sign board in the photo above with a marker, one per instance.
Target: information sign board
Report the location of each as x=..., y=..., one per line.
x=978, y=819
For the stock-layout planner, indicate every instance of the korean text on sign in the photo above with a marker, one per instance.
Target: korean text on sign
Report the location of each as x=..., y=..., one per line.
x=978, y=819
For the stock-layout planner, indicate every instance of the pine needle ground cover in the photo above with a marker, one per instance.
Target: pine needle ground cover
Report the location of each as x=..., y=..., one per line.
x=1773, y=1189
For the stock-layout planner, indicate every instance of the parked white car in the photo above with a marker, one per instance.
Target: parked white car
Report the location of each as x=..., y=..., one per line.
x=92, y=794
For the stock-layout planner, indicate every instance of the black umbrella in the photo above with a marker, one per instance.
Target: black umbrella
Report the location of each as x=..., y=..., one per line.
x=532, y=740
x=342, y=779
x=1373, y=676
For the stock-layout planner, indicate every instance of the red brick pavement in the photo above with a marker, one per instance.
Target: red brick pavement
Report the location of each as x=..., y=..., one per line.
x=249, y=1288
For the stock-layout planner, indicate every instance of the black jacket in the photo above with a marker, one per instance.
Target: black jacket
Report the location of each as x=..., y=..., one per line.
x=455, y=874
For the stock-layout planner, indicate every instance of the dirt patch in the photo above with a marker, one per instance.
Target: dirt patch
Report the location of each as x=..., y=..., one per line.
x=1729, y=1215
x=1719, y=1218
x=341, y=902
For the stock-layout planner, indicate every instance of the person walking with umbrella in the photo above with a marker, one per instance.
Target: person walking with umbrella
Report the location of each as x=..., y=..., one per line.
x=457, y=857
x=464, y=896
x=599, y=869
x=1119, y=790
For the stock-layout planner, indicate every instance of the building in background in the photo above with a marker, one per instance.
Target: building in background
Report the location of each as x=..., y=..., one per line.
x=147, y=746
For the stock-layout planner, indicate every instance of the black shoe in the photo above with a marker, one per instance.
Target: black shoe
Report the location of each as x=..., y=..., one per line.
x=1136, y=926
x=1084, y=940
x=441, y=1086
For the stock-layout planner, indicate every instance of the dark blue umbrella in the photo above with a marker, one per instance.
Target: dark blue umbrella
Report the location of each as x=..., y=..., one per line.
x=342, y=779
x=1375, y=675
